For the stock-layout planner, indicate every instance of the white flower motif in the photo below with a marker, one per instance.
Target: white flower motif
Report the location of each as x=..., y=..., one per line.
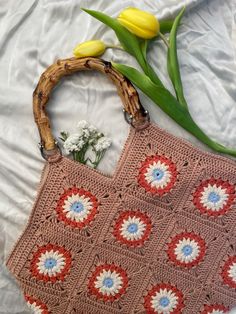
x=133, y=228
x=108, y=282
x=158, y=175
x=102, y=144
x=215, y=309
x=36, y=309
x=214, y=198
x=232, y=271
x=164, y=301
x=51, y=263
x=77, y=207
x=187, y=250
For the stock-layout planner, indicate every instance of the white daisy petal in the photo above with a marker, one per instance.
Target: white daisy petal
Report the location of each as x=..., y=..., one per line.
x=186, y=249
x=232, y=272
x=51, y=263
x=164, y=301
x=35, y=308
x=77, y=208
x=157, y=174
x=214, y=198
x=132, y=228
x=109, y=282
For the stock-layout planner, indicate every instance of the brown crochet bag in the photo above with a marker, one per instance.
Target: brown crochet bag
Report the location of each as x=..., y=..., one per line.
x=158, y=236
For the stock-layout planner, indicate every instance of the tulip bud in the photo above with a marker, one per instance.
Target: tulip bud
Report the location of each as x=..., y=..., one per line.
x=140, y=23
x=91, y=48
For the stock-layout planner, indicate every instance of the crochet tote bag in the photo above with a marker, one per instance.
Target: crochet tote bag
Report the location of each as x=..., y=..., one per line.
x=158, y=236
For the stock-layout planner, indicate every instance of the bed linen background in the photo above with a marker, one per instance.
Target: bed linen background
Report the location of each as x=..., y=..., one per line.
x=34, y=33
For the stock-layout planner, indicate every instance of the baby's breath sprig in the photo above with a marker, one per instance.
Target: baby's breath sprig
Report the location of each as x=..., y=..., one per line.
x=86, y=140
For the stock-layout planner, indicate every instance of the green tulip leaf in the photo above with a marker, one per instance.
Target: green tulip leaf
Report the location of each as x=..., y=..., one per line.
x=144, y=46
x=172, y=61
x=166, y=26
x=167, y=102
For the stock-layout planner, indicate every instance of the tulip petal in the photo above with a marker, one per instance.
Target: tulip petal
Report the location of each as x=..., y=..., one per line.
x=167, y=102
x=90, y=48
x=143, y=20
x=172, y=61
x=138, y=31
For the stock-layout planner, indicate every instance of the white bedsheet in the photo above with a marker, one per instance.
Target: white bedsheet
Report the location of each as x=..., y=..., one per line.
x=34, y=33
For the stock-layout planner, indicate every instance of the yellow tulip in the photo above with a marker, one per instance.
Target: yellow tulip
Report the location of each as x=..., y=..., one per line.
x=91, y=48
x=140, y=23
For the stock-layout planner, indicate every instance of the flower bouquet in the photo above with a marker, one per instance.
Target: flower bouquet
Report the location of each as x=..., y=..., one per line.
x=135, y=29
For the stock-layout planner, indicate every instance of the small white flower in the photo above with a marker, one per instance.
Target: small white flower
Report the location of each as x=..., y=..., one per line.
x=102, y=144
x=73, y=143
x=84, y=129
x=92, y=129
x=82, y=125
x=86, y=140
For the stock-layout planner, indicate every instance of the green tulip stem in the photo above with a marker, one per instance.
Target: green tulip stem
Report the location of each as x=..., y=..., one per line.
x=173, y=63
x=163, y=37
x=114, y=47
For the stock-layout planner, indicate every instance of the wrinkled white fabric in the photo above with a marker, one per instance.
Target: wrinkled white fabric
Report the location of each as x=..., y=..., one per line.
x=34, y=33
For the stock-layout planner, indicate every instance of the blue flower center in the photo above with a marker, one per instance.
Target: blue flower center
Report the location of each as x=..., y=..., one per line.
x=77, y=207
x=158, y=174
x=50, y=263
x=187, y=250
x=164, y=301
x=213, y=197
x=132, y=228
x=108, y=282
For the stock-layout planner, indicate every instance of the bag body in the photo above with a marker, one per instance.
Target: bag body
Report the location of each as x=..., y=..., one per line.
x=158, y=236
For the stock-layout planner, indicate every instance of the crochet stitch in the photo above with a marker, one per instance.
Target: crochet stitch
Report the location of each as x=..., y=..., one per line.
x=164, y=298
x=77, y=207
x=158, y=236
x=35, y=305
x=50, y=263
x=186, y=249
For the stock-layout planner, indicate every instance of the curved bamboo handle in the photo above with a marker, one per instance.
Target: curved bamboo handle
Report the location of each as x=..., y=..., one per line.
x=55, y=72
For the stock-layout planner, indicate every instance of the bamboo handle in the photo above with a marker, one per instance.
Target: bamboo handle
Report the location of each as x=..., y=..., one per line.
x=64, y=67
